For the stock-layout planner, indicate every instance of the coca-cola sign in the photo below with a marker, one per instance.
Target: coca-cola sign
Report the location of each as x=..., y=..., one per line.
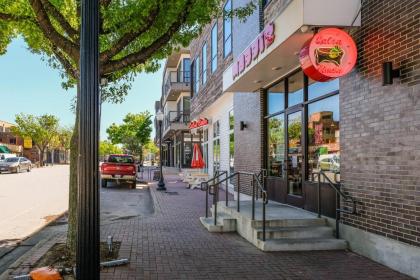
x=198, y=123
x=257, y=47
x=330, y=54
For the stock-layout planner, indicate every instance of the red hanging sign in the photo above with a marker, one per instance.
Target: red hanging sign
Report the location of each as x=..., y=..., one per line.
x=330, y=54
x=198, y=123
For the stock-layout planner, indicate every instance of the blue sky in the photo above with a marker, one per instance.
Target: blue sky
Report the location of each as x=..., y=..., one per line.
x=29, y=85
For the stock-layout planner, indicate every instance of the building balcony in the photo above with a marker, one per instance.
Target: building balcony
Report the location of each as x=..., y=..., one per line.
x=175, y=121
x=176, y=82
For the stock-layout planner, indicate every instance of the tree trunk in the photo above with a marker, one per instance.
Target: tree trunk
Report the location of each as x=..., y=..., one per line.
x=73, y=183
x=41, y=156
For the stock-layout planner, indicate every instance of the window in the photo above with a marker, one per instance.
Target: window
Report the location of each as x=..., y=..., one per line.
x=317, y=89
x=216, y=146
x=204, y=64
x=206, y=149
x=322, y=129
x=275, y=98
x=186, y=67
x=231, y=142
x=227, y=29
x=214, y=48
x=295, y=86
x=324, y=136
x=196, y=75
x=276, y=146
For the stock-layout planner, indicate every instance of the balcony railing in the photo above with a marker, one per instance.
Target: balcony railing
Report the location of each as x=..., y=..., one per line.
x=179, y=117
x=180, y=78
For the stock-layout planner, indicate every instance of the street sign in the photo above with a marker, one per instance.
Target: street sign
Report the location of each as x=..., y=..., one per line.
x=27, y=143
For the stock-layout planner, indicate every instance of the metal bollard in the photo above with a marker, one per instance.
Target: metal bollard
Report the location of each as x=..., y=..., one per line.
x=109, y=242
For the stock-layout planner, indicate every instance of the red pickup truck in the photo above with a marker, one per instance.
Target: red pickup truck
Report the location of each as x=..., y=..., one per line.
x=119, y=168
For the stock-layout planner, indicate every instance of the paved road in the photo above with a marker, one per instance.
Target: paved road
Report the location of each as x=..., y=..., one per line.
x=29, y=200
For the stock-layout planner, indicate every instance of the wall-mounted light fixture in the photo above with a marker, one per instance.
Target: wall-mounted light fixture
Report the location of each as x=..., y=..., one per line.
x=388, y=74
x=243, y=125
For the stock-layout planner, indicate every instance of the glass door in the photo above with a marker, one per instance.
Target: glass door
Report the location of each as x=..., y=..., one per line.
x=294, y=157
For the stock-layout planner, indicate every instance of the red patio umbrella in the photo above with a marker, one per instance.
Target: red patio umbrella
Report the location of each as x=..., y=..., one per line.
x=197, y=160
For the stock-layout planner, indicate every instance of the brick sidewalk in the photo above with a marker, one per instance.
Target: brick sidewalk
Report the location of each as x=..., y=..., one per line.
x=172, y=244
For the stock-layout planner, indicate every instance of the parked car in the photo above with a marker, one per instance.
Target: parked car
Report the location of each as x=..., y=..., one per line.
x=3, y=156
x=329, y=162
x=119, y=168
x=15, y=165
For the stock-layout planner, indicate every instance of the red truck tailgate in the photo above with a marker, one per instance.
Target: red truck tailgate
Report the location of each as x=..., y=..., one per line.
x=118, y=169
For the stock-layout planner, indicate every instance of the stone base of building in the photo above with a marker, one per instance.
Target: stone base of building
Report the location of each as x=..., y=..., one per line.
x=394, y=254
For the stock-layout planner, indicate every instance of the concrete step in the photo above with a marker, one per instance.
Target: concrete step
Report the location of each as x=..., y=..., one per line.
x=290, y=223
x=302, y=244
x=295, y=232
x=208, y=223
x=224, y=223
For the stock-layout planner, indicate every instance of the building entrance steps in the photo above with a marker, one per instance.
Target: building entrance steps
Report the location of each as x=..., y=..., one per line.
x=287, y=228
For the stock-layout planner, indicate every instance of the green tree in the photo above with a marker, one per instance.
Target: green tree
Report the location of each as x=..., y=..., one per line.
x=42, y=130
x=150, y=148
x=134, y=36
x=107, y=148
x=64, y=137
x=133, y=134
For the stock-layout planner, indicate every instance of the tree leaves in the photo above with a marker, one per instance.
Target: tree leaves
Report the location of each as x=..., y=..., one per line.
x=133, y=134
x=135, y=34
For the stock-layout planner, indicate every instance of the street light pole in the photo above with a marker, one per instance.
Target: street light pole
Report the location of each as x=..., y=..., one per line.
x=87, y=253
x=161, y=184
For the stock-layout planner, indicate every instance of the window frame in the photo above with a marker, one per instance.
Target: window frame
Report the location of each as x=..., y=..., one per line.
x=303, y=105
x=214, y=47
x=229, y=37
x=203, y=68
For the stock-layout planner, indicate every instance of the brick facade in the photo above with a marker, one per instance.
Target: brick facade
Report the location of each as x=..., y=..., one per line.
x=380, y=125
x=213, y=88
x=273, y=9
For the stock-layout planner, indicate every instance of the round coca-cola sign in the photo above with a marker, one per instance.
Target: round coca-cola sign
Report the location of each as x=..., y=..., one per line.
x=330, y=54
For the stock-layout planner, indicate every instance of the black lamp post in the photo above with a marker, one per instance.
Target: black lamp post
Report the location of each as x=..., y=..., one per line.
x=161, y=184
x=87, y=254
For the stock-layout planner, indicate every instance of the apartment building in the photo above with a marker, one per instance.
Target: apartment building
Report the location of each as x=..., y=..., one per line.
x=306, y=87
x=175, y=105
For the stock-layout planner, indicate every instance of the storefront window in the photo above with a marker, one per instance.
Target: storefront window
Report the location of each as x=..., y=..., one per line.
x=206, y=149
x=231, y=143
x=276, y=145
x=216, y=154
x=187, y=150
x=317, y=89
x=324, y=137
x=295, y=85
x=216, y=129
x=275, y=98
x=216, y=146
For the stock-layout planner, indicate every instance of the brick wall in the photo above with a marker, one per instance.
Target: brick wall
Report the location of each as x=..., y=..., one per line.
x=213, y=88
x=380, y=125
x=273, y=9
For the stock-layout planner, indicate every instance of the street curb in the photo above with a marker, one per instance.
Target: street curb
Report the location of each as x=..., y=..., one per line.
x=26, y=255
x=156, y=205
x=6, y=274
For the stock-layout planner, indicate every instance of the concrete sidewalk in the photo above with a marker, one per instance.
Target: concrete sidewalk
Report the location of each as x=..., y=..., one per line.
x=172, y=244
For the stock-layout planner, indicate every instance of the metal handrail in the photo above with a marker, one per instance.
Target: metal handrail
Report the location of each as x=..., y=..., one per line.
x=218, y=174
x=213, y=189
x=339, y=195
